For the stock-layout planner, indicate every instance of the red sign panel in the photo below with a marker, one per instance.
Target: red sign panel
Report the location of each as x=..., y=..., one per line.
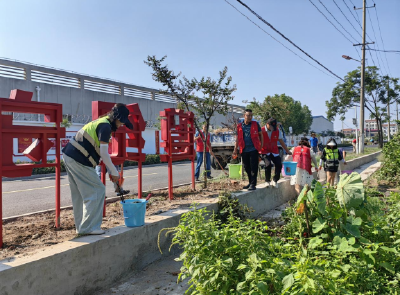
x=24, y=143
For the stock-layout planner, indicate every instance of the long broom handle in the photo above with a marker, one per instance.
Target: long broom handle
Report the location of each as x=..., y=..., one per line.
x=212, y=154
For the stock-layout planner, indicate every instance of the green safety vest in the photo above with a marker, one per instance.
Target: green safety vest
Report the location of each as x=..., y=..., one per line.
x=332, y=157
x=89, y=133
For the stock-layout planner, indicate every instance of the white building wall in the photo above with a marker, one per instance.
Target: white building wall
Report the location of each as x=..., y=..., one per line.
x=320, y=123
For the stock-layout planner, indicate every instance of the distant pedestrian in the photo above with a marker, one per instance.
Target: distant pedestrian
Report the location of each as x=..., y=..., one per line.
x=354, y=145
x=200, y=153
x=331, y=158
x=248, y=140
x=270, y=151
x=314, y=142
x=303, y=155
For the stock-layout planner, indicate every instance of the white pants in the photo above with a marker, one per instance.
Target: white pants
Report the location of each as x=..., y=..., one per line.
x=87, y=194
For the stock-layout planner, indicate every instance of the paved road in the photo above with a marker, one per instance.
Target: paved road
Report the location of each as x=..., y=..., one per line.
x=31, y=194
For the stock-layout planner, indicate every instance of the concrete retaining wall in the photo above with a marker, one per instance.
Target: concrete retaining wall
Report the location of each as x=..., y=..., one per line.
x=86, y=264
x=352, y=164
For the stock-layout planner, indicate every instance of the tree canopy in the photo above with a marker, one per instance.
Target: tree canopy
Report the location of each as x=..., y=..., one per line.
x=204, y=97
x=379, y=91
x=286, y=110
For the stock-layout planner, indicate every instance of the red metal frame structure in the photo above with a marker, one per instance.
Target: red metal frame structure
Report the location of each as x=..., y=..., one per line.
x=177, y=135
x=20, y=102
x=120, y=143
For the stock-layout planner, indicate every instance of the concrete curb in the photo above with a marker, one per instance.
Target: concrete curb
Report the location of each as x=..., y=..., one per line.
x=86, y=264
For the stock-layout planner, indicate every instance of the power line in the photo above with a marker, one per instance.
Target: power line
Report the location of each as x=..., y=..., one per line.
x=385, y=50
x=330, y=21
x=383, y=44
x=278, y=40
x=335, y=27
x=376, y=53
x=358, y=19
x=336, y=20
x=287, y=39
x=347, y=18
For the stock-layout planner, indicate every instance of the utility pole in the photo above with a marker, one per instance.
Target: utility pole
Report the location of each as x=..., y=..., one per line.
x=388, y=111
x=362, y=95
x=355, y=123
x=362, y=92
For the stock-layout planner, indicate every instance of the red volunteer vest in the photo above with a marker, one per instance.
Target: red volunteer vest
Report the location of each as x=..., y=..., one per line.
x=200, y=145
x=270, y=145
x=253, y=134
x=302, y=156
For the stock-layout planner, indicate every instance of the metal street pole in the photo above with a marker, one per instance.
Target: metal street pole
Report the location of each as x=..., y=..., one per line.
x=357, y=140
x=362, y=93
x=388, y=112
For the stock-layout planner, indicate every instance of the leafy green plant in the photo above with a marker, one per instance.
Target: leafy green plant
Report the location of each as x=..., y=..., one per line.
x=390, y=169
x=228, y=205
x=351, y=246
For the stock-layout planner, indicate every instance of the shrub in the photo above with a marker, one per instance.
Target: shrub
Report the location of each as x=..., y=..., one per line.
x=335, y=241
x=390, y=169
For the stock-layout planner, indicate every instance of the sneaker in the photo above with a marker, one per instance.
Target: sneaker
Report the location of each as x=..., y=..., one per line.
x=246, y=186
x=252, y=188
x=97, y=232
x=210, y=177
x=197, y=180
x=274, y=184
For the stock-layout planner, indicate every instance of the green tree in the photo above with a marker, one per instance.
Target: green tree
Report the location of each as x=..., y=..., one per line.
x=378, y=92
x=340, y=134
x=286, y=110
x=204, y=97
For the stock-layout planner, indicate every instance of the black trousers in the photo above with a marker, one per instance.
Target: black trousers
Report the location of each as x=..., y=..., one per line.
x=250, y=163
x=278, y=167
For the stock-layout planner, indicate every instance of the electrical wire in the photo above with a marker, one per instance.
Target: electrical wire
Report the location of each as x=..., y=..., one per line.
x=278, y=40
x=376, y=53
x=337, y=20
x=385, y=50
x=287, y=39
x=330, y=22
x=347, y=18
x=380, y=32
x=335, y=27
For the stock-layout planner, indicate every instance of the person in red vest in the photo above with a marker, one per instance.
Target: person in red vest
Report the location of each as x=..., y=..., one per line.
x=270, y=150
x=248, y=140
x=303, y=154
x=200, y=150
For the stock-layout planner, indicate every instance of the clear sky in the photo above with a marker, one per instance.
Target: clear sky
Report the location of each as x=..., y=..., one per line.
x=112, y=39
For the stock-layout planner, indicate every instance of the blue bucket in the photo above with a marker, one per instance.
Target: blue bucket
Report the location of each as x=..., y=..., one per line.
x=290, y=168
x=134, y=212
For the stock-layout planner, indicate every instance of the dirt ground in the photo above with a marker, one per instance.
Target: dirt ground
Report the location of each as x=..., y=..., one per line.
x=26, y=235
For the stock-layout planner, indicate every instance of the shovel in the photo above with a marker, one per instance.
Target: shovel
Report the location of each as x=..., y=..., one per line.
x=223, y=170
x=121, y=192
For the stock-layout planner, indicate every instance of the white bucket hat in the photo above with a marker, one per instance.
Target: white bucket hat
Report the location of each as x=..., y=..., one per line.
x=331, y=143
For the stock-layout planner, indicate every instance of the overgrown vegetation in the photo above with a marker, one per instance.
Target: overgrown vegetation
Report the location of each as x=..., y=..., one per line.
x=342, y=240
x=390, y=170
